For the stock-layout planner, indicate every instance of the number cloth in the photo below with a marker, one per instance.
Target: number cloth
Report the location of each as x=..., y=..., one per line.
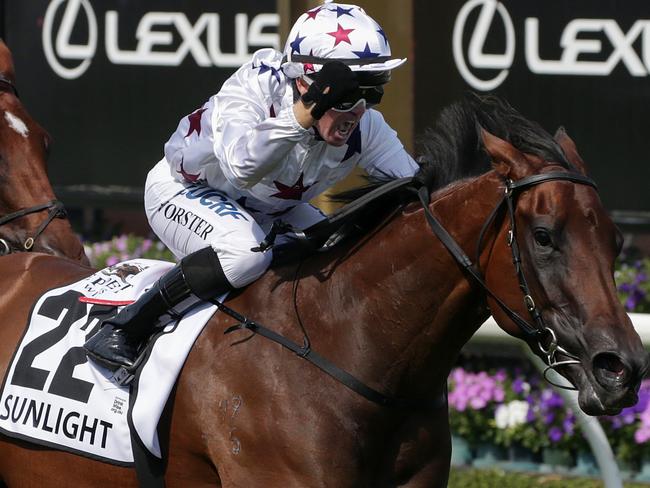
x=54, y=396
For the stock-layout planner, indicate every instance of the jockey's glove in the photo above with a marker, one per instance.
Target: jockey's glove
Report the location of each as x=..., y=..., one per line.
x=334, y=82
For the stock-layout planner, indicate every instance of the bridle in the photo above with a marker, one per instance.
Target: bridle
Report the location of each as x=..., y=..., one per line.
x=539, y=331
x=55, y=207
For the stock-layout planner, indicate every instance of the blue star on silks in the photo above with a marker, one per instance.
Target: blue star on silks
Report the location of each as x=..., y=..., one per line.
x=383, y=34
x=366, y=53
x=343, y=11
x=295, y=44
x=264, y=68
x=242, y=201
x=354, y=144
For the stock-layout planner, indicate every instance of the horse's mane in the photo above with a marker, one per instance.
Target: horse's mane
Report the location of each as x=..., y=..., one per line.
x=453, y=150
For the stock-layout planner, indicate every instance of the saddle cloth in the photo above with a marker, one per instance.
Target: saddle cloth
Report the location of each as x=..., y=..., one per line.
x=53, y=396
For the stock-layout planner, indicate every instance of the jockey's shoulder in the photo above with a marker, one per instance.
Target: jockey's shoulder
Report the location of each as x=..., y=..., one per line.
x=264, y=70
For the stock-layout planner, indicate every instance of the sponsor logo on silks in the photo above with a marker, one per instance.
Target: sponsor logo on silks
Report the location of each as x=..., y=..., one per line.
x=214, y=200
x=188, y=220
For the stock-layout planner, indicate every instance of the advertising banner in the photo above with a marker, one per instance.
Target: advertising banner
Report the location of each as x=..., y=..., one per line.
x=582, y=64
x=110, y=80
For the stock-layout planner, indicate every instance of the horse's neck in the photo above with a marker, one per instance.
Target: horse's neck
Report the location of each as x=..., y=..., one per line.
x=418, y=308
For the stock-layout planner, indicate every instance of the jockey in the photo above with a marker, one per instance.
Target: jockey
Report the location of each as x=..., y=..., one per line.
x=283, y=129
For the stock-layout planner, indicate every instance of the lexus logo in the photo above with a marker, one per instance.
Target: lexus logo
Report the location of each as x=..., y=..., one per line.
x=156, y=37
x=476, y=58
x=579, y=37
x=58, y=47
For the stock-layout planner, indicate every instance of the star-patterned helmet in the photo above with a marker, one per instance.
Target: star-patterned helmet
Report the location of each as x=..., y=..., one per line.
x=337, y=31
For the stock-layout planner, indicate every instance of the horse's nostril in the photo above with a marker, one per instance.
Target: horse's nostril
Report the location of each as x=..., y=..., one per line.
x=609, y=369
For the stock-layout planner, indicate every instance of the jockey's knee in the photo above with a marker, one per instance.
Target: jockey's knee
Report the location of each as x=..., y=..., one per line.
x=241, y=265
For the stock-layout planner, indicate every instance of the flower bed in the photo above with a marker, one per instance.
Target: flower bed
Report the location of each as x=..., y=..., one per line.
x=518, y=408
x=125, y=247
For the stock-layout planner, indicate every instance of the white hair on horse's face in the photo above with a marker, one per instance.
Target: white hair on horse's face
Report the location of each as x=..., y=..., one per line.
x=17, y=124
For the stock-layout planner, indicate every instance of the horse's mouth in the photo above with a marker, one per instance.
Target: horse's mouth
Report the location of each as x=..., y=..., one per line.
x=607, y=387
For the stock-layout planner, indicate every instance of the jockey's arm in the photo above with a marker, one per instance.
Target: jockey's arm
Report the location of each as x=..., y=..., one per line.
x=384, y=154
x=241, y=134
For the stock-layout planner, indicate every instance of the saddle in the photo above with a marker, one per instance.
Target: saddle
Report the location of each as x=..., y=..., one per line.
x=349, y=220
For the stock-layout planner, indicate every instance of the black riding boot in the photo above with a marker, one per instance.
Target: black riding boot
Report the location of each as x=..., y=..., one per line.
x=120, y=339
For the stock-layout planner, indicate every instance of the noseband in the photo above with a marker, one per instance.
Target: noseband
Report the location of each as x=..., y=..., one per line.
x=55, y=209
x=539, y=332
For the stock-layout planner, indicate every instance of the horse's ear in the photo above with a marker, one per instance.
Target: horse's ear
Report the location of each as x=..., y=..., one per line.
x=506, y=159
x=569, y=149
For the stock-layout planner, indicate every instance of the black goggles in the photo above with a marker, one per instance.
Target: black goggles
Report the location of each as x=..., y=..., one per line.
x=370, y=90
x=370, y=95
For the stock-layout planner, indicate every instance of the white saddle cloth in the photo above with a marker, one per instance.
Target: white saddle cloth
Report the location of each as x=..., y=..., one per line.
x=53, y=396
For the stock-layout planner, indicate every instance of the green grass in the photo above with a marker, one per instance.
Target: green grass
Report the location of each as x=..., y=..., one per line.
x=477, y=478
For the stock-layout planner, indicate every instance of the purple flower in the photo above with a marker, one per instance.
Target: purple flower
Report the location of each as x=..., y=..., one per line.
x=568, y=424
x=555, y=434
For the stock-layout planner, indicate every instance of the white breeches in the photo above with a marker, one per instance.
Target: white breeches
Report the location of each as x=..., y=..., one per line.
x=188, y=217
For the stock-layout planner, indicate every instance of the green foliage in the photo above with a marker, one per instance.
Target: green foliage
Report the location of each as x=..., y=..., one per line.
x=476, y=478
x=633, y=285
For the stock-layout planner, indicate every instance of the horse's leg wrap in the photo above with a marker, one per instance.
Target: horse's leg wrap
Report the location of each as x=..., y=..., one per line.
x=119, y=340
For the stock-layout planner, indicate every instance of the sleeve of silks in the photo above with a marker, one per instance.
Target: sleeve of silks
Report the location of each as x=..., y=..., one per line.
x=240, y=130
x=383, y=153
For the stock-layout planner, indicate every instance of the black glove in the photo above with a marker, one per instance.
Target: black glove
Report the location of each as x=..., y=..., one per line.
x=341, y=82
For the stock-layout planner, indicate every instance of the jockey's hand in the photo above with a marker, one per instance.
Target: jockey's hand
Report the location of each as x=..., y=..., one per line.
x=334, y=82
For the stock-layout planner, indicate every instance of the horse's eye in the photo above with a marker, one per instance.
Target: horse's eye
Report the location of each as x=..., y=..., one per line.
x=542, y=237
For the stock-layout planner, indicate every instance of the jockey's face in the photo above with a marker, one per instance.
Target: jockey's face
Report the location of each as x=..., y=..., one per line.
x=336, y=127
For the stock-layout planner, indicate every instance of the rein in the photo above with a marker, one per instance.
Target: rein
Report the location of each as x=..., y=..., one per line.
x=56, y=209
x=325, y=365
x=539, y=330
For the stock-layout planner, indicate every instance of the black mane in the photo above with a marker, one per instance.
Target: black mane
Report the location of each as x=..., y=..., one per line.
x=453, y=149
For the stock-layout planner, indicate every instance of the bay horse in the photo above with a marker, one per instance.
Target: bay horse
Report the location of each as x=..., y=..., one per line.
x=31, y=218
x=393, y=308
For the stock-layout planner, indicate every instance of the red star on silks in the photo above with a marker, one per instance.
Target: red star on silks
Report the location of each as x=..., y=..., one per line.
x=195, y=122
x=309, y=66
x=311, y=14
x=188, y=176
x=291, y=192
x=341, y=35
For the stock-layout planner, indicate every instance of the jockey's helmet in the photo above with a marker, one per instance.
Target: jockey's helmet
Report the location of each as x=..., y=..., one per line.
x=342, y=32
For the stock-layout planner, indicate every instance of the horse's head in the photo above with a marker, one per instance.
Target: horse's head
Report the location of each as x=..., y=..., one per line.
x=567, y=245
x=31, y=219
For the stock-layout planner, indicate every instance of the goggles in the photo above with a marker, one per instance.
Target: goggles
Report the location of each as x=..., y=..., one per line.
x=367, y=96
